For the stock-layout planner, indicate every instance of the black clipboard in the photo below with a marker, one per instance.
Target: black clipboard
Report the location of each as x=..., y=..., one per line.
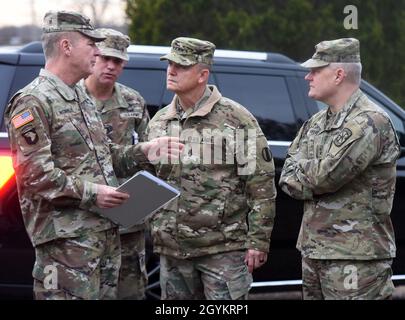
x=147, y=195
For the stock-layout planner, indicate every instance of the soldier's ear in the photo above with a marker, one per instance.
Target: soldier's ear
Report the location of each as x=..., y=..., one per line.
x=204, y=75
x=65, y=46
x=340, y=74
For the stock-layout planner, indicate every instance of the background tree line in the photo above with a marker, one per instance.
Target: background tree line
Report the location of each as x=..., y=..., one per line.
x=291, y=27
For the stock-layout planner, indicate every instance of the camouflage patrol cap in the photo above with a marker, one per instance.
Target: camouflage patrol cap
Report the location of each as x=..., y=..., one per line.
x=339, y=50
x=114, y=45
x=63, y=21
x=190, y=51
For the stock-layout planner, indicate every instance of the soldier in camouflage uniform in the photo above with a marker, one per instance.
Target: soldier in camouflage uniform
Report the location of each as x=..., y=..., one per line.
x=65, y=164
x=125, y=118
x=343, y=165
x=219, y=229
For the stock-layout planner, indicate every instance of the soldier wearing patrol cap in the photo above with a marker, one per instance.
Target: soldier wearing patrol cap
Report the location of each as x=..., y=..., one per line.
x=125, y=118
x=343, y=165
x=219, y=230
x=65, y=165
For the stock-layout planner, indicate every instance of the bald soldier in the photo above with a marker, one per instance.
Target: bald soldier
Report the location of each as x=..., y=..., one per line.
x=219, y=230
x=125, y=118
x=343, y=165
x=65, y=166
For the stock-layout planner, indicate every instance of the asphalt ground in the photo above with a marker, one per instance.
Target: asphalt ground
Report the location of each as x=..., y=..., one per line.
x=399, y=294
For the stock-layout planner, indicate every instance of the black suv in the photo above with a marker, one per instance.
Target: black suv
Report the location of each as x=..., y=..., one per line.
x=270, y=85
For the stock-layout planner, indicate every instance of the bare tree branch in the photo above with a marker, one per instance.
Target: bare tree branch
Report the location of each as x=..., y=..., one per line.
x=95, y=8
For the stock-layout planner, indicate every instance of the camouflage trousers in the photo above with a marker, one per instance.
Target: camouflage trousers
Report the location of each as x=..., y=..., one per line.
x=222, y=276
x=346, y=279
x=85, y=267
x=133, y=276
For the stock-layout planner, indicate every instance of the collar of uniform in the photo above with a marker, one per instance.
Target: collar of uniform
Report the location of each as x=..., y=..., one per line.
x=187, y=113
x=115, y=99
x=342, y=114
x=118, y=95
x=65, y=91
x=201, y=111
x=81, y=94
x=179, y=110
x=82, y=85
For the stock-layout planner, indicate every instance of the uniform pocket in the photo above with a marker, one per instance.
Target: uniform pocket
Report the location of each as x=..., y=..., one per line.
x=71, y=263
x=200, y=213
x=382, y=199
x=240, y=285
x=215, y=155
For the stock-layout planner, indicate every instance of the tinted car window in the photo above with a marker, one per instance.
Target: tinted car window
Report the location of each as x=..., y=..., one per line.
x=266, y=97
x=6, y=76
x=149, y=83
x=23, y=76
x=396, y=121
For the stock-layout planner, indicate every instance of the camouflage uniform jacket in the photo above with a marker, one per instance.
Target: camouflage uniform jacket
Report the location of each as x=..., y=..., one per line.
x=60, y=152
x=220, y=208
x=344, y=168
x=125, y=118
x=124, y=115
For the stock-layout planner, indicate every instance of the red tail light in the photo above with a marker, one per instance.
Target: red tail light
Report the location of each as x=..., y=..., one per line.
x=6, y=169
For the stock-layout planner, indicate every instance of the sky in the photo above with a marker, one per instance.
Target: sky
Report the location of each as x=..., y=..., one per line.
x=19, y=12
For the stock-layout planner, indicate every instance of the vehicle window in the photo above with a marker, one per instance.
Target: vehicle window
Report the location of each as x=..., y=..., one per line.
x=396, y=121
x=23, y=76
x=6, y=76
x=167, y=97
x=266, y=97
x=149, y=83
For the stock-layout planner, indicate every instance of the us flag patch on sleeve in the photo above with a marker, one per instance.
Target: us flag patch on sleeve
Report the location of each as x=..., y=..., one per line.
x=21, y=119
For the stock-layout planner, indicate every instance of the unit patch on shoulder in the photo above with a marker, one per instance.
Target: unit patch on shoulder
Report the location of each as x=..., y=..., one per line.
x=266, y=154
x=30, y=135
x=342, y=137
x=22, y=119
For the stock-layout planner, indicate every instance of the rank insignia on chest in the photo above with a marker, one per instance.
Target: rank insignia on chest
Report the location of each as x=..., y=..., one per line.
x=342, y=137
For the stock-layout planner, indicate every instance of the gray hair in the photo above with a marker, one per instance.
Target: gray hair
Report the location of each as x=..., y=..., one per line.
x=50, y=42
x=352, y=70
x=204, y=66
